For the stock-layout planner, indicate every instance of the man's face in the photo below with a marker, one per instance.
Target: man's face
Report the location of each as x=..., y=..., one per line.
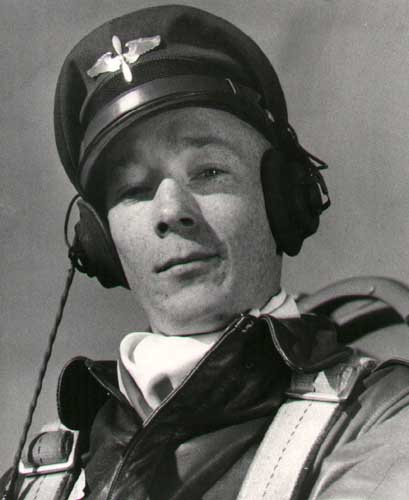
x=186, y=212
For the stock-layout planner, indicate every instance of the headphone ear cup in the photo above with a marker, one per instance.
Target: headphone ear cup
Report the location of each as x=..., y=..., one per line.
x=290, y=196
x=275, y=189
x=95, y=249
x=306, y=200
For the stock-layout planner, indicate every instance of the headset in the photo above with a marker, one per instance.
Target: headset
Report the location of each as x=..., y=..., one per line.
x=295, y=195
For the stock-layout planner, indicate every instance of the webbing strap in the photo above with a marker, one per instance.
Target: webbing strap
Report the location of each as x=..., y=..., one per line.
x=77, y=492
x=56, y=486
x=298, y=429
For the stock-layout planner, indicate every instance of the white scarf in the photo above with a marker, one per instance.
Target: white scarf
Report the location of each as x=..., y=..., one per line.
x=151, y=357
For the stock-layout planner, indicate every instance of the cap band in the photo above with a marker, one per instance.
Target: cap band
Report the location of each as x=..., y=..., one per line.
x=166, y=93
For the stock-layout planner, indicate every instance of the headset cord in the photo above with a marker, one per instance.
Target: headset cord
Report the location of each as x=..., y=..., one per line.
x=9, y=491
x=39, y=385
x=40, y=379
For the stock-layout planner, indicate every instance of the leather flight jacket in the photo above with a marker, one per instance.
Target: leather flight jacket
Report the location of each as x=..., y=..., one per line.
x=200, y=441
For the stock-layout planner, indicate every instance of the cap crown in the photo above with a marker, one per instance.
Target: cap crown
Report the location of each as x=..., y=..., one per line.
x=192, y=43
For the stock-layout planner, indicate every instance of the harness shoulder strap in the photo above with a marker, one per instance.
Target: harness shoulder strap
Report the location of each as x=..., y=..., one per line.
x=49, y=468
x=290, y=444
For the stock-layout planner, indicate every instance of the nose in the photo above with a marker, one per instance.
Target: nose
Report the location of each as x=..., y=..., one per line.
x=176, y=209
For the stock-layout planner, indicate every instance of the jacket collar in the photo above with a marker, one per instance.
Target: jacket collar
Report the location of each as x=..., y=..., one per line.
x=252, y=353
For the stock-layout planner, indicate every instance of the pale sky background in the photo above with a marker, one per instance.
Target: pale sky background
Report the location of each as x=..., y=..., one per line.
x=344, y=67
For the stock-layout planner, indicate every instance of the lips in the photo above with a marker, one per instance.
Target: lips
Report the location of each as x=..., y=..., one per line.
x=177, y=261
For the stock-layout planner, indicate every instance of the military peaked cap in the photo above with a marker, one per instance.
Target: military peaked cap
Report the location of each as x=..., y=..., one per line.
x=154, y=59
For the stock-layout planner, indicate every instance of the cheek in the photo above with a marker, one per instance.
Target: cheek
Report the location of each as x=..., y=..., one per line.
x=240, y=221
x=129, y=239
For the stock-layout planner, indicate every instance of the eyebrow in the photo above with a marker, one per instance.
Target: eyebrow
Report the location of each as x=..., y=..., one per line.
x=201, y=141
x=178, y=143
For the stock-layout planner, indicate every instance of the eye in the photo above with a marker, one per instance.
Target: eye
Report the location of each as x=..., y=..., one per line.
x=209, y=173
x=207, y=178
x=135, y=193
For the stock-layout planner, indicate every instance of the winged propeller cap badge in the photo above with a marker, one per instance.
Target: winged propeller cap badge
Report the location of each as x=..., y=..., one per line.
x=108, y=63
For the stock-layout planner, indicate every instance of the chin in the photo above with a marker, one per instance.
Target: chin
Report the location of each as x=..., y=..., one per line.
x=196, y=312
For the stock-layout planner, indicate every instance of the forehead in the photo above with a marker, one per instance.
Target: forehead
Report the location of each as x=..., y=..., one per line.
x=176, y=131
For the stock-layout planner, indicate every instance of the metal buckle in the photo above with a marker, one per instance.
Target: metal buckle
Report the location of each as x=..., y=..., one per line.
x=30, y=470
x=332, y=385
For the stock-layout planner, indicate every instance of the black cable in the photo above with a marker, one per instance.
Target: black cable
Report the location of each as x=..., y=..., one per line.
x=67, y=219
x=14, y=470
x=8, y=493
x=320, y=165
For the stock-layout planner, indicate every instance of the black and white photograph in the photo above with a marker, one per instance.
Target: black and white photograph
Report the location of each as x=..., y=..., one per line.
x=204, y=215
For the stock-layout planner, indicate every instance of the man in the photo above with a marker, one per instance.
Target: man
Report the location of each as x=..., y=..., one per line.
x=194, y=186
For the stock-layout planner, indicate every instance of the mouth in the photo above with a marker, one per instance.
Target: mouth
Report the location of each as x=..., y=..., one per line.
x=181, y=261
